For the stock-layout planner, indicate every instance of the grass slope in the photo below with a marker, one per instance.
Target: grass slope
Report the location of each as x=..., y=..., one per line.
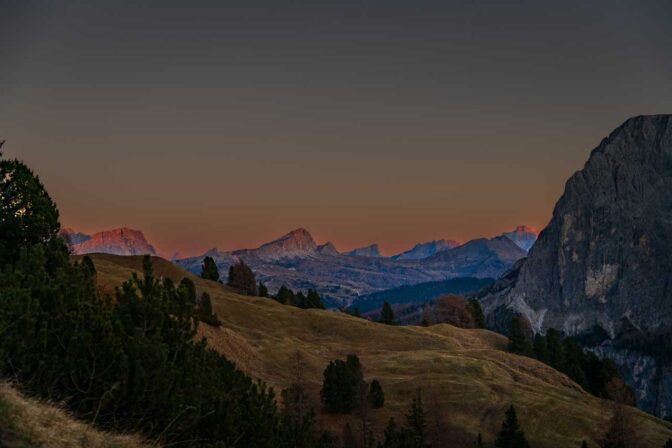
x=466, y=377
x=25, y=422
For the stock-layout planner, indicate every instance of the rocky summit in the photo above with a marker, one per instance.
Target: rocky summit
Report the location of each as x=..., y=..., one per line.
x=602, y=269
x=122, y=241
x=424, y=250
x=368, y=251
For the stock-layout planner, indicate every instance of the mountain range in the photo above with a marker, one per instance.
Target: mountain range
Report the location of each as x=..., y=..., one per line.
x=602, y=269
x=296, y=261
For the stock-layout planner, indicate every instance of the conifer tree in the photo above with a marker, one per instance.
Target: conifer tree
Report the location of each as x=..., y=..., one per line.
x=209, y=269
x=242, y=278
x=391, y=435
x=190, y=289
x=622, y=432
x=511, y=435
x=474, y=308
x=300, y=300
x=376, y=395
x=313, y=300
x=387, y=315
x=262, y=290
x=416, y=423
x=285, y=296
x=519, y=342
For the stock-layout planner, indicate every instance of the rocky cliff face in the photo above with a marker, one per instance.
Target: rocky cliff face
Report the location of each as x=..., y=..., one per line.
x=121, y=241
x=602, y=269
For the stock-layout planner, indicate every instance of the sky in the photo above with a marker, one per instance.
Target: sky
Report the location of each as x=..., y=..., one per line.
x=227, y=124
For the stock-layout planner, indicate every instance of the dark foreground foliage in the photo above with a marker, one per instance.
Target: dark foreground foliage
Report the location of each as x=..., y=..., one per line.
x=128, y=363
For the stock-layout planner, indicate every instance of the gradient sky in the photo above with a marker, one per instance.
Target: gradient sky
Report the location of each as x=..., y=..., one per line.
x=229, y=123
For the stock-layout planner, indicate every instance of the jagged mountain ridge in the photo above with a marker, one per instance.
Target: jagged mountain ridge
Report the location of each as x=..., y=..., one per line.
x=602, y=268
x=296, y=261
x=424, y=250
x=121, y=241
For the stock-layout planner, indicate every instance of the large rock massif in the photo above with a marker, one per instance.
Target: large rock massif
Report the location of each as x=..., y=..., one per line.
x=295, y=260
x=602, y=269
x=122, y=241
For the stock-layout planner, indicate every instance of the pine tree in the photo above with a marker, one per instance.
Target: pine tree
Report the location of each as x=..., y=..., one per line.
x=285, y=296
x=262, y=290
x=313, y=300
x=474, y=308
x=242, y=278
x=540, y=348
x=416, y=423
x=387, y=315
x=519, y=343
x=209, y=269
x=300, y=300
x=391, y=435
x=622, y=431
x=190, y=289
x=376, y=395
x=206, y=315
x=341, y=385
x=511, y=435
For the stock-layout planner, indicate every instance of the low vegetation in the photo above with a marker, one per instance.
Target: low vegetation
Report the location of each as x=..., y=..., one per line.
x=598, y=376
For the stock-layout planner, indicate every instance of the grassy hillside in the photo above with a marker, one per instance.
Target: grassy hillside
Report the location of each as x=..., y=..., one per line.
x=466, y=377
x=28, y=423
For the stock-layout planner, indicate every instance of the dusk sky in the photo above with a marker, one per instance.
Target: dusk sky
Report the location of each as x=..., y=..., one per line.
x=230, y=123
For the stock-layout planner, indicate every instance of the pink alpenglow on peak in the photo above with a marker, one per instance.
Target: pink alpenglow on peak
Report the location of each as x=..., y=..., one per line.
x=122, y=241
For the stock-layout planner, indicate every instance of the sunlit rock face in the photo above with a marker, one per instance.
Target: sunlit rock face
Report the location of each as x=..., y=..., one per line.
x=121, y=241
x=603, y=266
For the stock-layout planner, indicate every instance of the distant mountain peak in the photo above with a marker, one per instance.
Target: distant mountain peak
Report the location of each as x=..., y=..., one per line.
x=369, y=251
x=120, y=241
x=424, y=250
x=523, y=236
x=298, y=242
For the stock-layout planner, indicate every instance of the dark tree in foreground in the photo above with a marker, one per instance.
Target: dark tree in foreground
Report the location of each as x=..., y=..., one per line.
x=386, y=314
x=668, y=444
x=584, y=444
x=511, y=435
x=242, y=278
x=128, y=364
x=209, y=269
x=206, y=314
x=622, y=430
x=190, y=288
x=416, y=424
x=313, y=300
x=262, y=290
x=341, y=385
x=285, y=296
x=391, y=435
x=479, y=441
x=476, y=312
x=376, y=395
x=519, y=342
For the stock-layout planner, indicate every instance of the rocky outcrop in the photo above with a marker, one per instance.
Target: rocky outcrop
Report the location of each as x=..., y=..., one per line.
x=424, y=250
x=73, y=237
x=368, y=251
x=603, y=265
x=121, y=241
x=523, y=236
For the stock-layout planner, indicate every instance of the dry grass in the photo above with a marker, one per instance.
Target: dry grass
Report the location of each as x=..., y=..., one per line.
x=26, y=422
x=466, y=374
